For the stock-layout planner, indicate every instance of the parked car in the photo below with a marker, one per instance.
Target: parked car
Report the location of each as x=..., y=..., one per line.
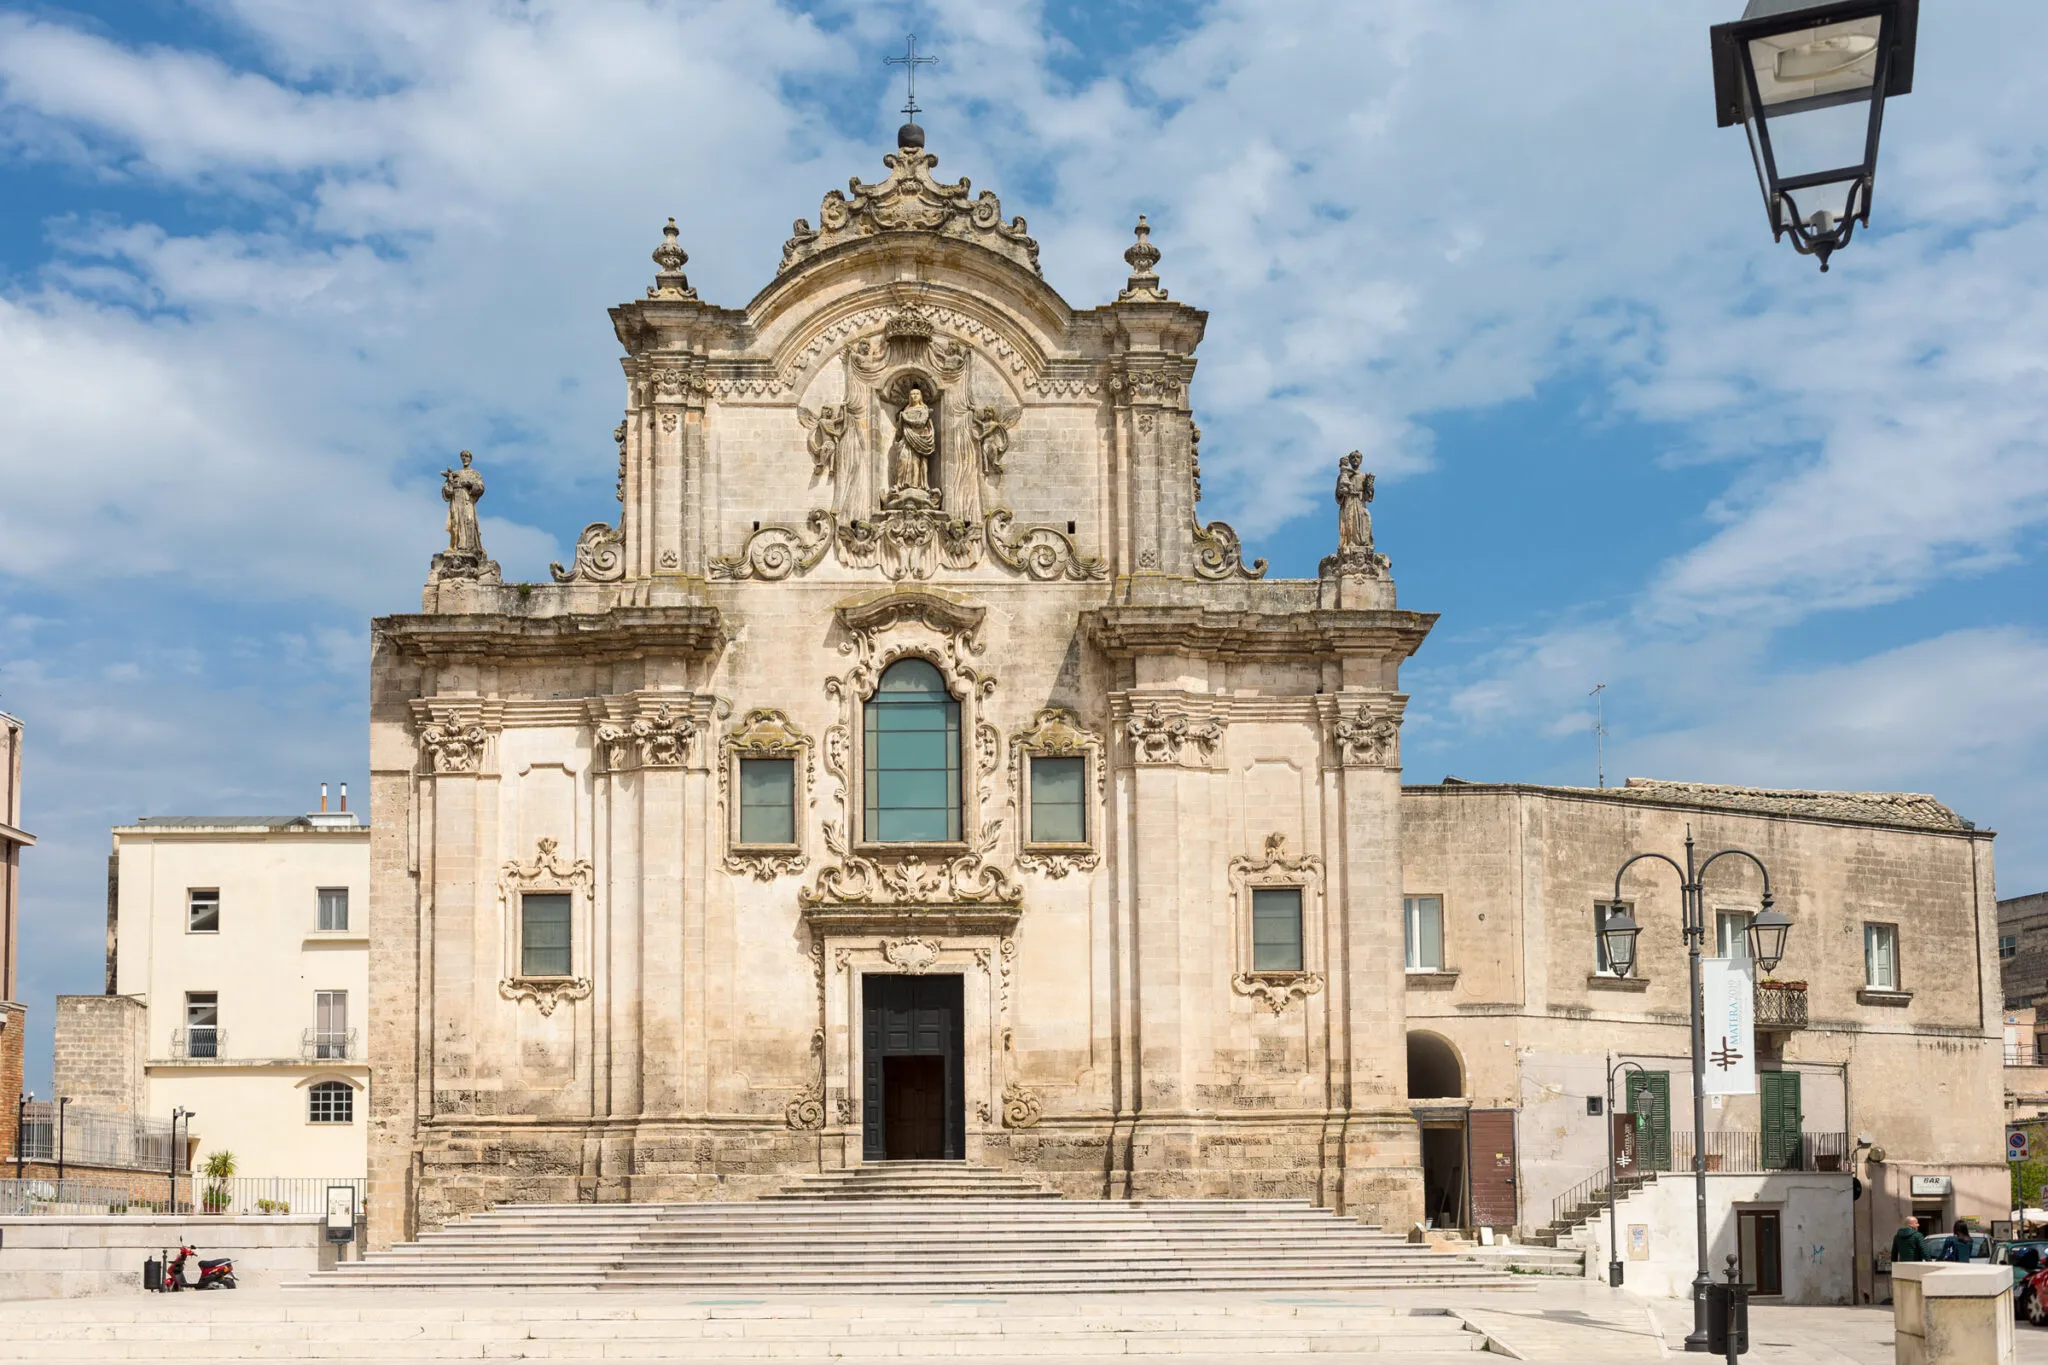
x=1937, y=1246
x=2025, y=1258
x=2036, y=1298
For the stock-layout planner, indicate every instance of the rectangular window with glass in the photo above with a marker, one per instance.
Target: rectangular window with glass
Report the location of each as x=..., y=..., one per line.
x=1881, y=957
x=2008, y=945
x=202, y=911
x=1423, y=928
x=1731, y=933
x=544, y=933
x=768, y=801
x=202, y=1023
x=333, y=909
x=330, y=1025
x=1059, y=814
x=331, y=1102
x=1276, y=929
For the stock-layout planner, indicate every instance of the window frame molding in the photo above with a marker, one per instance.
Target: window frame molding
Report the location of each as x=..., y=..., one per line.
x=1056, y=732
x=1894, y=993
x=1270, y=870
x=347, y=910
x=189, y=892
x=548, y=873
x=767, y=733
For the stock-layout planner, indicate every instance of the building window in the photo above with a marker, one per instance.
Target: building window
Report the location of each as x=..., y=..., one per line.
x=911, y=757
x=1276, y=928
x=1424, y=932
x=768, y=801
x=330, y=1025
x=1881, y=957
x=1059, y=812
x=202, y=1024
x=331, y=1102
x=2008, y=945
x=333, y=909
x=1731, y=933
x=544, y=933
x=202, y=911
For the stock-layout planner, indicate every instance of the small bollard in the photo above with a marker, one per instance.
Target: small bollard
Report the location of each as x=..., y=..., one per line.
x=1728, y=1316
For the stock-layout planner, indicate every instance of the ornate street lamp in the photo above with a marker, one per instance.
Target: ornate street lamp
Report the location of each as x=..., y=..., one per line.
x=1618, y=940
x=1809, y=78
x=1767, y=930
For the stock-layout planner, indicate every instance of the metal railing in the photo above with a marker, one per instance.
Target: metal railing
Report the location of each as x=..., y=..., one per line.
x=1780, y=1005
x=141, y=1194
x=335, y=1045
x=1735, y=1151
x=1593, y=1189
x=93, y=1138
x=199, y=1042
x=2025, y=1054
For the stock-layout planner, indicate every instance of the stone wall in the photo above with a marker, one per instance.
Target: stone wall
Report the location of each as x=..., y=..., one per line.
x=76, y=1257
x=2024, y=975
x=100, y=1050
x=11, y=1076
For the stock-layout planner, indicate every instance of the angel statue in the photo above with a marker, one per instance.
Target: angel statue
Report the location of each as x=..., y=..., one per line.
x=827, y=427
x=460, y=489
x=917, y=442
x=1354, y=491
x=991, y=427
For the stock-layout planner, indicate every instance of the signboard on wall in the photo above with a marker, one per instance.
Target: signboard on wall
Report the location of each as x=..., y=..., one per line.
x=1930, y=1186
x=1728, y=996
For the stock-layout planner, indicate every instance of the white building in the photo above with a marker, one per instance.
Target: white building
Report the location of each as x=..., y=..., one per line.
x=238, y=972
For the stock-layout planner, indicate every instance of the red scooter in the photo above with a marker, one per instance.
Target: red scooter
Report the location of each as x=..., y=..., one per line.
x=215, y=1274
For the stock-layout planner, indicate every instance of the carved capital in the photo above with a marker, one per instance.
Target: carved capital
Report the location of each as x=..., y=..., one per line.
x=1364, y=740
x=452, y=737
x=1158, y=735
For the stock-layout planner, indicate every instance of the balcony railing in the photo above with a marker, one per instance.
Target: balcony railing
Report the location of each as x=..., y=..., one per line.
x=1747, y=1152
x=92, y=1138
x=143, y=1194
x=2025, y=1054
x=1780, y=1006
x=329, y=1045
x=204, y=1042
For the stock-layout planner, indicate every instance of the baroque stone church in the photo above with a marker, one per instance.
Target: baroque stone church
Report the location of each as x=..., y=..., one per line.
x=910, y=773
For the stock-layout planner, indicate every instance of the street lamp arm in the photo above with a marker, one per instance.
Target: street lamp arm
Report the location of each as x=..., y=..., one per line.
x=1739, y=853
x=1662, y=858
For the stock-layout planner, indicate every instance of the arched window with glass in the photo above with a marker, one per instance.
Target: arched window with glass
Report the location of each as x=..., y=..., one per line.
x=911, y=757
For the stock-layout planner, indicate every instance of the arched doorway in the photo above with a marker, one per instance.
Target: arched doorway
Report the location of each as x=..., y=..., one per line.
x=1436, y=1073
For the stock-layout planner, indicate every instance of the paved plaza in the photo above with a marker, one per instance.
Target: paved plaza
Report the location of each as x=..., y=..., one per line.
x=1542, y=1320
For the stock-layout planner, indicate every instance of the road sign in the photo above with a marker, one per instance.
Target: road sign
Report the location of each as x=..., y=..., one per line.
x=2016, y=1145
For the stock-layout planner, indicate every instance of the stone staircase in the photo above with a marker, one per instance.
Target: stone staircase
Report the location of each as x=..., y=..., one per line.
x=846, y=1330
x=911, y=1231
x=1553, y=1233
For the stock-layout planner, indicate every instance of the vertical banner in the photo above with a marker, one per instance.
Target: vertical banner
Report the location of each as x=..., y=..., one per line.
x=1728, y=995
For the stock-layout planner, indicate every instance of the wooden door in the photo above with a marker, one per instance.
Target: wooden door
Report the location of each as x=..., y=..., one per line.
x=1758, y=1261
x=905, y=1017
x=1653, y=1138
x=1490, y=1157
x=1778, y=1094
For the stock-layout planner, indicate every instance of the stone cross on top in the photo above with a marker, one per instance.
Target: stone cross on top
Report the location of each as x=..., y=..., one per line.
x=911, y=62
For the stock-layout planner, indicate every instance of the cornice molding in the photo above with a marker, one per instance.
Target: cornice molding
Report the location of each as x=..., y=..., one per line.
x=608, y=637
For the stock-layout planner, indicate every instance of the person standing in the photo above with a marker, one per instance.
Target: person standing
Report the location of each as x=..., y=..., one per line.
x=1907, y=1243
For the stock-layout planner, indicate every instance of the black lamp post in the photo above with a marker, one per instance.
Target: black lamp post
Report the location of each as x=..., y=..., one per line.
x=181, y=1112
x=1766, y=934
x=62, y=1100
x=21, y=1134
x=1809, y=78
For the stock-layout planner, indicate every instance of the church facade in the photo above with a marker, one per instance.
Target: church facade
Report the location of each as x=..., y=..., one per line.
x=909, y=773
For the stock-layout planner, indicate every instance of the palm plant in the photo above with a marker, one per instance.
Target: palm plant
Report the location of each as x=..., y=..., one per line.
x=219, y=1168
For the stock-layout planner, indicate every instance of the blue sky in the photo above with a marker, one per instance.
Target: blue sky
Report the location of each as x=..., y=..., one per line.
x=264, y=267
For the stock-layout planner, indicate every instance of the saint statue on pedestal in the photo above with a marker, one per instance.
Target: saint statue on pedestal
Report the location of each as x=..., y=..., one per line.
x=1354, y=491
x=916, y=445
x=460, y=489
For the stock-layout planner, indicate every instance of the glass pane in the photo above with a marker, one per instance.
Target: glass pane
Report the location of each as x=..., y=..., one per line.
x=1276, y=929
x=1826, y=63
x=912, y=758
x=1057, y=813
x=1430, y=936
x=911, y=677
x=544, y=940
x=915, y=826
x=202, y=1011
x=1731, y=933
x=767, y=801
x=333, y=908
x=206, y=911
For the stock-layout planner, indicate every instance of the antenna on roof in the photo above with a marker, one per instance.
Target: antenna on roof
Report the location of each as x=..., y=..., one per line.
x=1599, y=732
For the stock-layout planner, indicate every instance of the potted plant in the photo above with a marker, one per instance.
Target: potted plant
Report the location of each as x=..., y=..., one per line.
x=219, y=1169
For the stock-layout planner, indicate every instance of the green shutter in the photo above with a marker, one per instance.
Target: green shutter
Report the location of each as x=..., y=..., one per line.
x=1779, y=1099
x=1653, y=1143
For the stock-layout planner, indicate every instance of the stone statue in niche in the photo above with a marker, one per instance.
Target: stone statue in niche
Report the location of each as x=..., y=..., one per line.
x=828, y=428
x=1354, y=491
x=464, y=557
x=914, y=452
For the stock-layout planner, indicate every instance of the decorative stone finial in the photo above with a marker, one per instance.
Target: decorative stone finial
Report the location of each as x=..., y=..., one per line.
x=670, y=282
x=1142, y=255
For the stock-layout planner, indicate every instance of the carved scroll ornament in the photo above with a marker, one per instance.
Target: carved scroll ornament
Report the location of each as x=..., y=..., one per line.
x=600, y=556
x=1161, y=736
x=907, y=542
x=1219, y=554
x=1367, y=741
x=450, y=746
x=909, y=200
x=656, y=740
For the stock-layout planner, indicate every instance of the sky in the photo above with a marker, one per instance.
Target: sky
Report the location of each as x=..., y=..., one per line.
x=265, y=267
